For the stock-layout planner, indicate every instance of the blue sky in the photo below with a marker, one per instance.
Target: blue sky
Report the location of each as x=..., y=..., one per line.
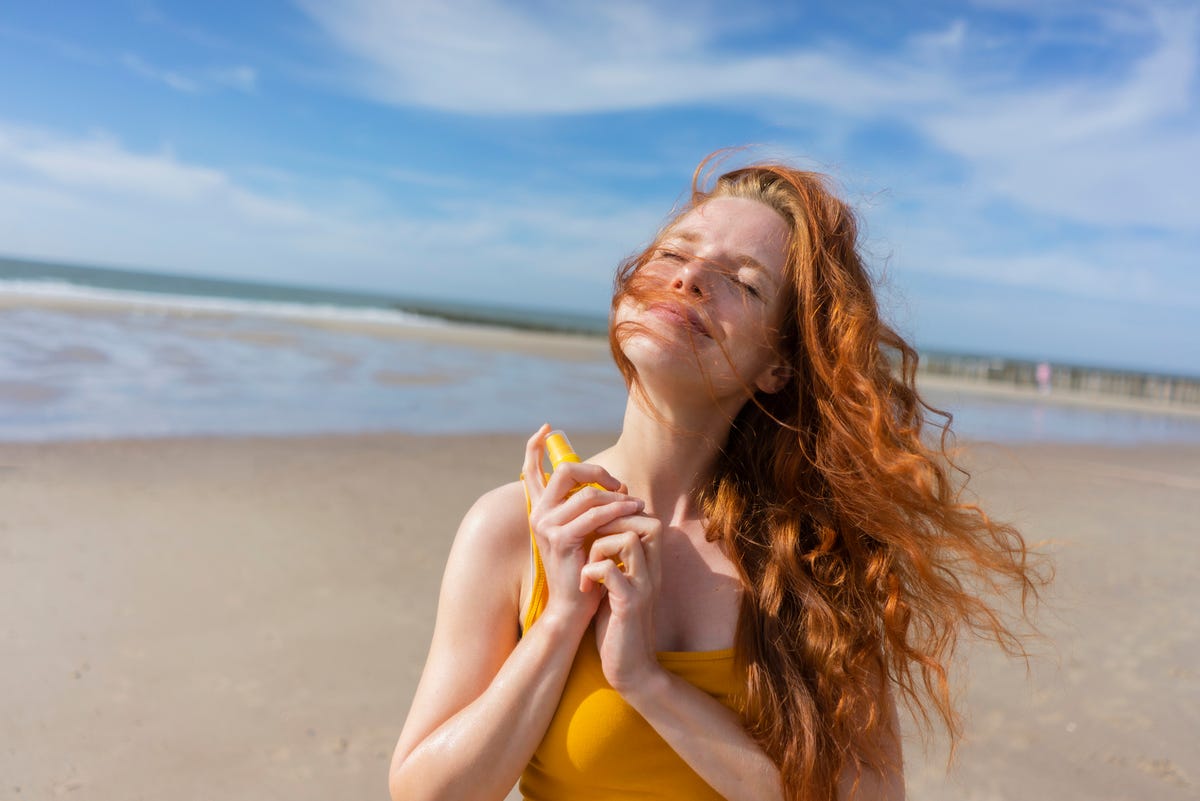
x=1027, y=171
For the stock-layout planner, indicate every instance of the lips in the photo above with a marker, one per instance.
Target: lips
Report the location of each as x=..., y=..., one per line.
x=680, y=317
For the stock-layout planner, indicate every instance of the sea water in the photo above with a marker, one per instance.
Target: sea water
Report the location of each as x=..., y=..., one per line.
x=92, y=373
x=80, y=360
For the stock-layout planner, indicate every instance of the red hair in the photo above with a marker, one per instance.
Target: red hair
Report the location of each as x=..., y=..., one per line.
x=859, y=561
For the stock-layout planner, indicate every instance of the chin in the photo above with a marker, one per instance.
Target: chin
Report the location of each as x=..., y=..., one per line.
x=654, y=352
x=676, y=367
x=651, y=340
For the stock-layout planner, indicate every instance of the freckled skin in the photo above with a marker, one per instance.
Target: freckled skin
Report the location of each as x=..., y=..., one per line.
x=703, y=259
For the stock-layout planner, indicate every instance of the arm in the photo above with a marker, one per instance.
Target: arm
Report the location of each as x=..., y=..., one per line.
x=710, y=738
x=485, y=699
x=706, y=734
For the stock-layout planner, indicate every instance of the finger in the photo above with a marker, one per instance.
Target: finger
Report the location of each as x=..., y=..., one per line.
x=625, y=552
x=607, y=573
x=649, y=532
x=569, y=475
x=531, y=470
x=572, y=532
x=589, y=497
x=646, y=527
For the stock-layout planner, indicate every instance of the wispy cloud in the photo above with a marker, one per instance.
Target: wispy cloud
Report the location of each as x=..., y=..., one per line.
x=155, y=210
x=1062, y=145
x=1038, y=149
x=64, y=48
x=101, y=163
x=171, y=78
x=1104, y=148
x=484, y=56
x=240, y=77
x=149, y=13
x=1095, y=151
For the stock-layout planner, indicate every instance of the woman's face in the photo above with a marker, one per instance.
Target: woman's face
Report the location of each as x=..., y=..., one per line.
x=712, y=291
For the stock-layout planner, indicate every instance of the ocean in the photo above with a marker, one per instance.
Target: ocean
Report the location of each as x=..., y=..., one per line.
x=97, y=354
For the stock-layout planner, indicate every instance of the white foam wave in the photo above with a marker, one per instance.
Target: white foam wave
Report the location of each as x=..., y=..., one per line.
x=127, y=298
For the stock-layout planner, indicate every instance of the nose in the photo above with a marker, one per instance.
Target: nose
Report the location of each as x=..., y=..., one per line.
x=689, y=279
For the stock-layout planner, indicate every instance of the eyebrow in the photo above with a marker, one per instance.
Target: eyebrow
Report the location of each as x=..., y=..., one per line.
x=742, y=259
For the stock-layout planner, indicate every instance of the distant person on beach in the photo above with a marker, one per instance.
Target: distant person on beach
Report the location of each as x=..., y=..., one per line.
x=769, y=557
x=1043, y=376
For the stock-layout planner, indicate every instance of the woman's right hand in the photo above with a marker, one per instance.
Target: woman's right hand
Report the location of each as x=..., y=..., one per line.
x=563, y=523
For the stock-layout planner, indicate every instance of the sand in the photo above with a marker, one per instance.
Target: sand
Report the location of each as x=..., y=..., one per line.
x=247, y=618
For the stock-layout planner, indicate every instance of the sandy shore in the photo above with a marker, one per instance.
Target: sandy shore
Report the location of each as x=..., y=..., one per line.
x=551, y=345
x=246, y=619
x=1092, y=400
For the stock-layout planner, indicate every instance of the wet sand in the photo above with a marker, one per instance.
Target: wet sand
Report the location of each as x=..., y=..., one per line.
x=247, y=618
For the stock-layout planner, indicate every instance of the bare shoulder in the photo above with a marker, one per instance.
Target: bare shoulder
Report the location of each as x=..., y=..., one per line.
x=493, y=539
x=496, y=523
x=477, y=619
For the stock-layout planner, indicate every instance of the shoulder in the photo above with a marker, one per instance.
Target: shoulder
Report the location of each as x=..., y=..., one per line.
x=477, y=623
x=492, y=541
x=497, y=520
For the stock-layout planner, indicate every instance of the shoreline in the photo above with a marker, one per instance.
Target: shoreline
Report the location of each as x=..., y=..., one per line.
x=1091, y=400
x=559, y=345
x=547, y=344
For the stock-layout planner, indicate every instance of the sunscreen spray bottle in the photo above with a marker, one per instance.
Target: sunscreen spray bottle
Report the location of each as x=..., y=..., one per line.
x=559, y=449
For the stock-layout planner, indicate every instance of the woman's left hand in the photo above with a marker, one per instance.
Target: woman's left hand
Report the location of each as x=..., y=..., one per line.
x=627, y=561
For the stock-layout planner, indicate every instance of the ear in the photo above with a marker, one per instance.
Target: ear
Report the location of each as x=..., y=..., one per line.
x=774, y=378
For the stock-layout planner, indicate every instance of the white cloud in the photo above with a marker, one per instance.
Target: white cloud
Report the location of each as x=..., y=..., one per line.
x=172, y=79
x=1086, y=149
x=1096, y=153
x=101, y=163
x=94, y=201
x=1109, y=150
x=485, y=56
x=938, y=43
x=240, y=77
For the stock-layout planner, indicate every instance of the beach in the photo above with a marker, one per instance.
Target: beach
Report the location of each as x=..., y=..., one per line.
x=222, y=533
x=246, y=618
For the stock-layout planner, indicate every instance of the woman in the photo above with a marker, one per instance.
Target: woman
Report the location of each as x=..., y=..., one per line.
x=766, y=553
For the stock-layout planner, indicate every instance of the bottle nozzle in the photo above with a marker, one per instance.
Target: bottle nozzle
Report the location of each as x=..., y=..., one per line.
x=559, y=449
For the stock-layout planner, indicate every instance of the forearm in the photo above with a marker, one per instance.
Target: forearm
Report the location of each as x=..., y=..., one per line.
x=708, y=736
x=480, y=752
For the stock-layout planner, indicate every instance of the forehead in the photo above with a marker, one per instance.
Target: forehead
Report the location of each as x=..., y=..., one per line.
x=735, y=228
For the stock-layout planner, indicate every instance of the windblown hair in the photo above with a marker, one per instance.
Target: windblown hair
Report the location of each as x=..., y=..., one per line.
x=835, y=497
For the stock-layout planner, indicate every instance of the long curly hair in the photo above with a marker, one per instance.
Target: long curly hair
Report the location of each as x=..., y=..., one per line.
x=836, y=498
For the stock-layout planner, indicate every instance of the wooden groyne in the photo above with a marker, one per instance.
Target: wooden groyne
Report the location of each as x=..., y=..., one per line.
x=1055, y=378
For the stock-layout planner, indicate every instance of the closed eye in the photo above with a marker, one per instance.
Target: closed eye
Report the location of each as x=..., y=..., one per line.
x=746, y=286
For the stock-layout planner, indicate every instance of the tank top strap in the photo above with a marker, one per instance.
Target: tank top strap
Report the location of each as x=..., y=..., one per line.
x=540, y=590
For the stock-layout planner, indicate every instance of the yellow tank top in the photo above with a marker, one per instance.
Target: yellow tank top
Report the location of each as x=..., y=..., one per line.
x=597, y=747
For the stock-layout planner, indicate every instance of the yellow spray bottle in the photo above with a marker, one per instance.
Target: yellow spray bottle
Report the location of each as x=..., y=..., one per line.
x=559, y=449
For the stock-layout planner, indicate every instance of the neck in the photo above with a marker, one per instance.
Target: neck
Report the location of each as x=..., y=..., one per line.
x=665, y=457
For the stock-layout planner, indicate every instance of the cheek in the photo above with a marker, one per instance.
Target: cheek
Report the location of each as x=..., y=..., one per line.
x=756, y=335
x=625, y=310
